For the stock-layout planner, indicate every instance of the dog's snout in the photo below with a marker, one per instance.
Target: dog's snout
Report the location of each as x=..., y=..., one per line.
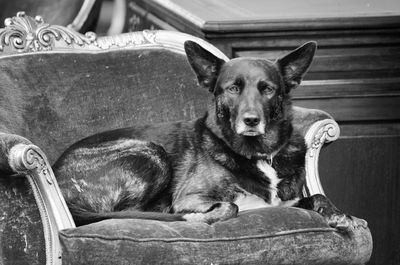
x=251, y=120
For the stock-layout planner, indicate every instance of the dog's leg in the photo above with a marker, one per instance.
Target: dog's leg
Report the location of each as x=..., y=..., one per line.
x=115, y=179
x=200, y=210
x=334, y=217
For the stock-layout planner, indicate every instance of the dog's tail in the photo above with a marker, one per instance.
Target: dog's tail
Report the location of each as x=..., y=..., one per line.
x=84, y=217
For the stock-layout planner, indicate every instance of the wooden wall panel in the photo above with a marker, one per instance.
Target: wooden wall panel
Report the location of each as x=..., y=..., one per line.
x=362, y=176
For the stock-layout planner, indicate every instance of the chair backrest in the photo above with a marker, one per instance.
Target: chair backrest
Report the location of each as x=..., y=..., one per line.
x=58, y=86
x=57, y=97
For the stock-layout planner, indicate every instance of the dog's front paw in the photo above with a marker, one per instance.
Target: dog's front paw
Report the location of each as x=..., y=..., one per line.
x=345, y=222
x=195, y=217
x=339, y=221
x=219, y=211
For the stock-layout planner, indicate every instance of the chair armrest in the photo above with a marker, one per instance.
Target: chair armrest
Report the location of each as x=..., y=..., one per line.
x=318, y=128
x=19, y=157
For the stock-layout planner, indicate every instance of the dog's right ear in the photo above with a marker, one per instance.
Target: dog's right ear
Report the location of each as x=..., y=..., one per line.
x=205, y=64
x=295, y=65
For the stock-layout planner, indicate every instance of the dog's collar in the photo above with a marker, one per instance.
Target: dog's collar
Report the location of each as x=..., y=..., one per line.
x=269, y=157
x=266, y=157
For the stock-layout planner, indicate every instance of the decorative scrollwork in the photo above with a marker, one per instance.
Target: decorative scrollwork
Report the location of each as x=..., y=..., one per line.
x=26, y=34
x=318, y=134
x=126, y=40
x=25, y=158
x=327, y=133
x=30, y=161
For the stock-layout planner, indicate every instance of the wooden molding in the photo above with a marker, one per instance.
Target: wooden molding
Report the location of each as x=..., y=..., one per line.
x=219, y=18
x=318, y=134
x=24, y=34
x=30, y=161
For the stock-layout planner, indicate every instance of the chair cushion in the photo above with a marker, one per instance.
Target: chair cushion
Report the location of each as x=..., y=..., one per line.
x=262, y=236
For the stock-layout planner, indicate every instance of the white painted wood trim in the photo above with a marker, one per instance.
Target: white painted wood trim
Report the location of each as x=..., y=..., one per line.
x=29, y=160
x=318, y=134
x=24, y=34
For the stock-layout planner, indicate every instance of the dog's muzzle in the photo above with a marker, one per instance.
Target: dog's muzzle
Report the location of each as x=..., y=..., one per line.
x=250, y=124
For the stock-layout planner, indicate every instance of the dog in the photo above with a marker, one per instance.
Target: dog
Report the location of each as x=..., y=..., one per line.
x=242, y=154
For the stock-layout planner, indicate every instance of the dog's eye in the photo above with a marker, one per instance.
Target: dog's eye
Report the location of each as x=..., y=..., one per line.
x=266, y=89
x=234, y=89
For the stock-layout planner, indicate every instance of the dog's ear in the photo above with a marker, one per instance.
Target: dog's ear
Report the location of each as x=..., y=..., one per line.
x=294, y=65
x=205, y=64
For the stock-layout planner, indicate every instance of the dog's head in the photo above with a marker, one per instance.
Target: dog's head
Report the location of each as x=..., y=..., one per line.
x=252, y=102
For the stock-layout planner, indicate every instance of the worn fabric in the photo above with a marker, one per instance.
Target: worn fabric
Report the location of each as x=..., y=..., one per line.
x=21, y=237
x=263, y=236
x=55, y=100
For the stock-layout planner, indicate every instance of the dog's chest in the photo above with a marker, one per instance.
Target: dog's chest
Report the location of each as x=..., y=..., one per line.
x=246, y=200
x=270, y=173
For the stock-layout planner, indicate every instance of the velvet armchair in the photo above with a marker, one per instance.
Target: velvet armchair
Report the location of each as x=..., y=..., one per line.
x=58, y=86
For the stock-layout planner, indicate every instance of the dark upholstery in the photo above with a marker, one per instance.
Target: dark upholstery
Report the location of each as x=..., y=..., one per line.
x=21, y=239
x=67, y=97
x=266, y=236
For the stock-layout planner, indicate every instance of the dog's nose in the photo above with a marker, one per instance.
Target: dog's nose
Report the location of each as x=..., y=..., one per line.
x=251, y=120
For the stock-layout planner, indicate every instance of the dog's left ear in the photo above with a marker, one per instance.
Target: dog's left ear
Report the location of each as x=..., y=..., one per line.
x=295, y=65
x=205, y=64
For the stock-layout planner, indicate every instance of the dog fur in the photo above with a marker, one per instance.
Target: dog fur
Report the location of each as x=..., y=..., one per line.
x=242, y=154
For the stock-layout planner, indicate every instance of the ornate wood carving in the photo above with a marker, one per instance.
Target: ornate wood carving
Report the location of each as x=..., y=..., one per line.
x=23, y=34
x=26, y=34
x=327, y=132
x=318, y=134
x=30, y=161
x=146, y=37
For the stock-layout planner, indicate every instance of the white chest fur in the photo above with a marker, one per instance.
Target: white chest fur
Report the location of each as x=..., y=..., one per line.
x=247, y=201
x=270, y=173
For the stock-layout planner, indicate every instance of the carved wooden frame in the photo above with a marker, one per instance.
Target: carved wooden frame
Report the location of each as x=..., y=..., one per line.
x=30, y=161
x=24, y=34
x=319, y=133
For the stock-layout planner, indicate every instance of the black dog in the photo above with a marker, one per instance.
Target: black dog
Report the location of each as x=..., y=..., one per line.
x=242, y=154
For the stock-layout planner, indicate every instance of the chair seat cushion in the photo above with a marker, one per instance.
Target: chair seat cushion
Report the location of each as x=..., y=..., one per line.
x=262, y=236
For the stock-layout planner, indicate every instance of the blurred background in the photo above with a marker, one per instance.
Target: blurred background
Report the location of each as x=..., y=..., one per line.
x=112, y=17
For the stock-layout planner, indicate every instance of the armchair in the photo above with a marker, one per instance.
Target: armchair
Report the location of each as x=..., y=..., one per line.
x=58, y=86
